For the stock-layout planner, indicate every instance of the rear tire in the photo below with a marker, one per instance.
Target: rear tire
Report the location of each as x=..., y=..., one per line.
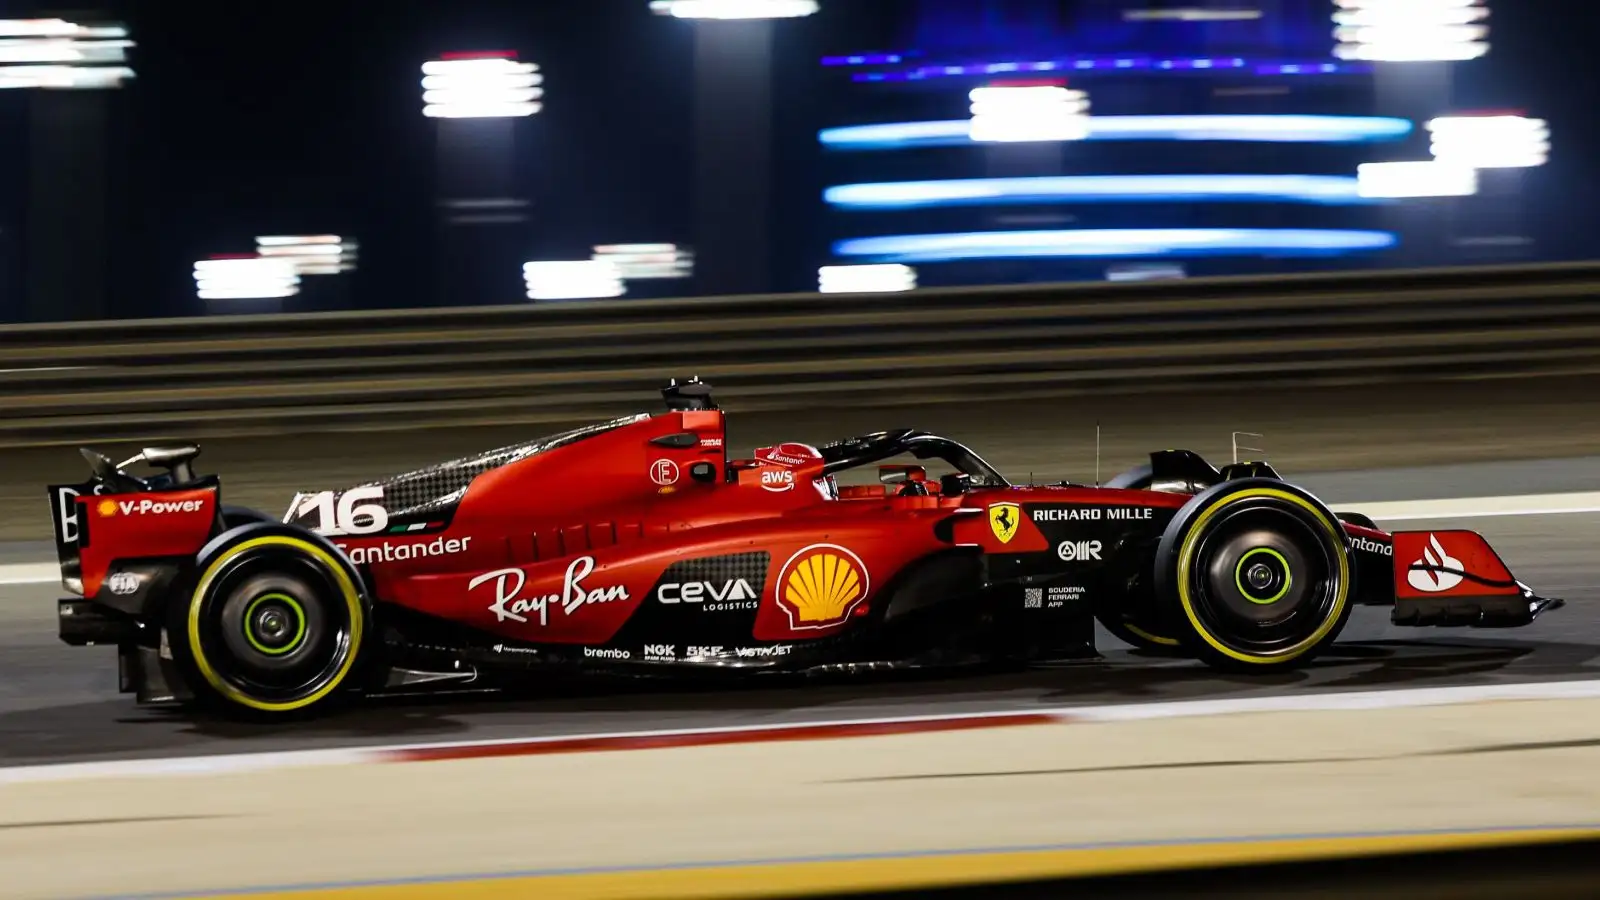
x=273, y=623
x=1256, y=576
x=1140, y=636
x=234, y=516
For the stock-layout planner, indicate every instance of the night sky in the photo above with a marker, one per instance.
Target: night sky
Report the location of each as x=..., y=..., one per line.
x=297, y=117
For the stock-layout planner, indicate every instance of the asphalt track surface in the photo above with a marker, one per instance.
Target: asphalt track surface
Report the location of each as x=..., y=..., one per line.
x=59, y=704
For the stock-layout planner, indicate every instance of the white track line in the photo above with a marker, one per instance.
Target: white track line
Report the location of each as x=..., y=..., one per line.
x=1398, y=511
x=1359, y=700
x=30, y=573
x=1480, y=507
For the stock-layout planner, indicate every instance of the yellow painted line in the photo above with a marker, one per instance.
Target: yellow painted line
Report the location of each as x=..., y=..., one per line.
x=921, y=871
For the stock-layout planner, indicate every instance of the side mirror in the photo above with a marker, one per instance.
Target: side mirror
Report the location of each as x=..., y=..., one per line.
x=703, y=472
x=901, y=474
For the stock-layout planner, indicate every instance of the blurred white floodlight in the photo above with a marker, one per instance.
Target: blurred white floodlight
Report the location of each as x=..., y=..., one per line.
x=58, y=54
x=866, y=279
x=245, y=278
x=63, y=77
x=1410, y=30
x=62, y=51
x=1006, y=113
x=1423, y=178
x=58, y=28
x=480, y=87
x=580, y=279
x=1490, y=142
x=310, y=254
x=734, y=9
x=635, y=262
x=1146, y=272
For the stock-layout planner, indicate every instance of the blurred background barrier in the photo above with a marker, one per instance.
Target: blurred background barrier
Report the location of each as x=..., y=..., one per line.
x=241, y=376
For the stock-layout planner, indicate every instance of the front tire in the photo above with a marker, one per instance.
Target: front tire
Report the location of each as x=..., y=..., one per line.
x=273, y=625
x=1255, y=575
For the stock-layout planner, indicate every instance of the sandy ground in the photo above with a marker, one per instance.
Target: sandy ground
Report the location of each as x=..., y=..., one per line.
x=1510, y=764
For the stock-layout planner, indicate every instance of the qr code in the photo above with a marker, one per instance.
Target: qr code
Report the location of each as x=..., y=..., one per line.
x=1032, y=598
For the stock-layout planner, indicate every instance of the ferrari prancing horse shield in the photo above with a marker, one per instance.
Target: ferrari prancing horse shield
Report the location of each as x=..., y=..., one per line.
x=1004, y=519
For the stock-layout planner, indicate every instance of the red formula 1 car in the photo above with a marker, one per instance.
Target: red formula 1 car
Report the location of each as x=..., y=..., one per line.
x=636, y=545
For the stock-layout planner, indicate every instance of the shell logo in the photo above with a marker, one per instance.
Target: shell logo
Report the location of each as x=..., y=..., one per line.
x=106, y=508
x=821, y=585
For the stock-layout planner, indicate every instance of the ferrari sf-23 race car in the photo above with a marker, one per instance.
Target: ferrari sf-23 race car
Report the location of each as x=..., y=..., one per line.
x=636, y=546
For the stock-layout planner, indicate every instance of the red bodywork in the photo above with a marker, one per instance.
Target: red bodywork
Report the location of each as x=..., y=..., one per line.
x=565, y=544
x=111, y=527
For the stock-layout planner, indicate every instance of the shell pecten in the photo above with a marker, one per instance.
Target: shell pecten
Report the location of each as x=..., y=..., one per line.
x=822, y=585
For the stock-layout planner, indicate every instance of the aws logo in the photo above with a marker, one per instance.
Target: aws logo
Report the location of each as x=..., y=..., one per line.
x=821, y=586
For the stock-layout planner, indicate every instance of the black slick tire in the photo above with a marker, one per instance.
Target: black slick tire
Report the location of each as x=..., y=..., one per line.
x=1255, y=575
x=272, y=624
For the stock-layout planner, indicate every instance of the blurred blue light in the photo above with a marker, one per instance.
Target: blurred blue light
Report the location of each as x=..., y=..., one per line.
x=1087, y=63
x=1144, y=242
x=1332, y=190
x=863, y=59
x=1273, y=128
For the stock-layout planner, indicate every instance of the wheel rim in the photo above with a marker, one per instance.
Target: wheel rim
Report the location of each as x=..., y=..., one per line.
x=1265, y=581
x=1263, y=576
x=274, y=624
x=273, y=627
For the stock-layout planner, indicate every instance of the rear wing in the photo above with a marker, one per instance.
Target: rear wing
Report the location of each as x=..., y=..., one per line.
x=68, y=512
x=117, y=516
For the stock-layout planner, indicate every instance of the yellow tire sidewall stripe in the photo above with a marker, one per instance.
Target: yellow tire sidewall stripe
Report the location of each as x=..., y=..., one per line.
x=1152, y=638
x=347, y=589
x=1186, y=562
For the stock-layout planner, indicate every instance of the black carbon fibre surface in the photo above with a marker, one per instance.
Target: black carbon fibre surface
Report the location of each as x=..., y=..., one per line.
x=708, y=602
x=433, y=491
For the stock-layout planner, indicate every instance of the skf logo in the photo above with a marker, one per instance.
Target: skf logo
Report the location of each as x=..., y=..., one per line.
x=777, y=480
x=821, y=585
x=106, y=508
x=1004, y=519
